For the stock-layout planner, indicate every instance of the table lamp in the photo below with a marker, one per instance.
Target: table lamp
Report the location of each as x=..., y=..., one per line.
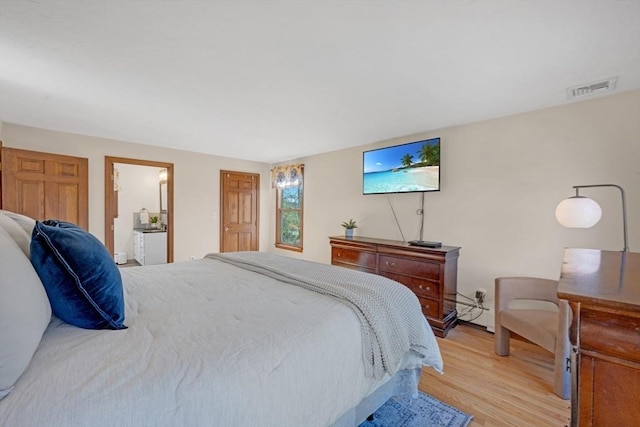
x=582, y=212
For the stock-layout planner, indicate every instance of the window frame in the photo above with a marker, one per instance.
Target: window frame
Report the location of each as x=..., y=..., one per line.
x=279, y=210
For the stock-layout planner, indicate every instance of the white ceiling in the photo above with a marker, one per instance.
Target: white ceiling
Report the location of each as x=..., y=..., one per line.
x=276, y=80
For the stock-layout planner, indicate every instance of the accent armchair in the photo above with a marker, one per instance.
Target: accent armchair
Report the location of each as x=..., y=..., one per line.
x=546, y=328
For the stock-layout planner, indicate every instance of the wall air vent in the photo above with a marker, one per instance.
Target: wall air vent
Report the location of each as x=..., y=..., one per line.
x=592, y=88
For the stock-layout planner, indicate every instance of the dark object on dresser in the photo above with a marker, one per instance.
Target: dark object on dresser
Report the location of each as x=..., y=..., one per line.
x=431, y=273
x=603, y=290
x=425, y=243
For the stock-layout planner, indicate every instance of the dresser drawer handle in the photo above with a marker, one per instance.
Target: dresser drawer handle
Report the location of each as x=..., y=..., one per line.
x=428, y=289
x=390, y=264
x=426, y=306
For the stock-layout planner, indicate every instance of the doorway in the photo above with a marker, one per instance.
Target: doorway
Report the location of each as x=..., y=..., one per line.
x=164, y=190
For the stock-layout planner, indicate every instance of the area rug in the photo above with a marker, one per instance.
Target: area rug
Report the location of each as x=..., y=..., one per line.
x=425, y=411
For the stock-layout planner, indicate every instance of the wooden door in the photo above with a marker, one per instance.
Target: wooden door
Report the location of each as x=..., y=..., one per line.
x=240, y=211
x=46, y=186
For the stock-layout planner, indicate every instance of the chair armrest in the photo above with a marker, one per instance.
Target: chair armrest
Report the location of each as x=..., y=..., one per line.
x=564, y=323
x=562, y=365
x=509, y=288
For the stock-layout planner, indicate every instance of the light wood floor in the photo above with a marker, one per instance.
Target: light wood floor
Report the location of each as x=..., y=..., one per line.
x=498, y=391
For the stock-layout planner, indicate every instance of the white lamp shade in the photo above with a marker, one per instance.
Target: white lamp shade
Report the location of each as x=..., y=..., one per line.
x=578, y=212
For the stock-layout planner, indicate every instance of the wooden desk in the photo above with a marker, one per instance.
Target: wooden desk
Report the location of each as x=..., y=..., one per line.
x=431, y=273
x=603, y=289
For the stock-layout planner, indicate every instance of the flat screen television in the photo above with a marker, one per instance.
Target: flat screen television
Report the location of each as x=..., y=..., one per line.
x=406, y=168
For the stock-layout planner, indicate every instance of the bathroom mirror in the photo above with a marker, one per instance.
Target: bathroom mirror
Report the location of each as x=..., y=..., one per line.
x=163, y=196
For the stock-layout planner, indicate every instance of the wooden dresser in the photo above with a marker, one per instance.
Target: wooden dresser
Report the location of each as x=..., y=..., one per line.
x=430, y=273
x=603, y=289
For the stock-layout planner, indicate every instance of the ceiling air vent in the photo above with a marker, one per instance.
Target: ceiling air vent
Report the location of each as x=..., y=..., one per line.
x=592, y=88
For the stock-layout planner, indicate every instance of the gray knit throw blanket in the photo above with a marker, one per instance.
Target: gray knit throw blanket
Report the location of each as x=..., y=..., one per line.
x=390, y=315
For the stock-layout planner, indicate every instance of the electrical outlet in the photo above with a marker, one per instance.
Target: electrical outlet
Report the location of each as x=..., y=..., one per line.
x=481, y=294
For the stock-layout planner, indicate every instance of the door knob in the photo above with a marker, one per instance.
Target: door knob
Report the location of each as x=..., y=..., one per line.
x=226, y=229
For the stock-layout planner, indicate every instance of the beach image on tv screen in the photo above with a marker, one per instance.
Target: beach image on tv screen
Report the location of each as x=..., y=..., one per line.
x=402, y=168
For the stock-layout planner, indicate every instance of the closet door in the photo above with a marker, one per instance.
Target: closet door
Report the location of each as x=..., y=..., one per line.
x=46, y=186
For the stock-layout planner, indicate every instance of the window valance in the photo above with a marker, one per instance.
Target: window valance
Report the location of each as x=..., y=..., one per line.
x=286, y=175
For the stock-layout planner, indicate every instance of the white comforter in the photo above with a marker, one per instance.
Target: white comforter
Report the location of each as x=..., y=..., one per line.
x=207, y=345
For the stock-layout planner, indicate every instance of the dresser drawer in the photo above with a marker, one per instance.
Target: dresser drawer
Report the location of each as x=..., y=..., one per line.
x=612, y=334
x=430, y=308
x=354, y=257
x=422, y=288
x=407, y=266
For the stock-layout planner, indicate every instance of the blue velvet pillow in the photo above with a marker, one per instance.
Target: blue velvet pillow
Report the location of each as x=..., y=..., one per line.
x=81, y=279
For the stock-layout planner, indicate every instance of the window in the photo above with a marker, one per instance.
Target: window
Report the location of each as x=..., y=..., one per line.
x=288, y=181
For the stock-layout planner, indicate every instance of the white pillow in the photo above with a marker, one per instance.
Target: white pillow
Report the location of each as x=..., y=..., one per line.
x=27, y=223
x=25, y=312
x=17, y=233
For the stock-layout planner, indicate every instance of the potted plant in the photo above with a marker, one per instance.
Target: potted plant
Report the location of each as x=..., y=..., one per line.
x=348, y=227
x=154, y=220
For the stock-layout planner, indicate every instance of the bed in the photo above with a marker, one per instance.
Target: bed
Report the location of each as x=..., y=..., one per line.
x=229, y=340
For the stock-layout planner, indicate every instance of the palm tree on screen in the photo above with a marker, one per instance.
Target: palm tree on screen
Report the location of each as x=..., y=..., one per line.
x=430, y=154
x=407, y=160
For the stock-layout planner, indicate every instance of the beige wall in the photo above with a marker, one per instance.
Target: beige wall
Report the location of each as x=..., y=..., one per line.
x=501, y=182
x=196, y=183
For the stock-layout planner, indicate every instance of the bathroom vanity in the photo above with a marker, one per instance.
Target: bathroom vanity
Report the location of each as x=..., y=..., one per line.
x=150, y=246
